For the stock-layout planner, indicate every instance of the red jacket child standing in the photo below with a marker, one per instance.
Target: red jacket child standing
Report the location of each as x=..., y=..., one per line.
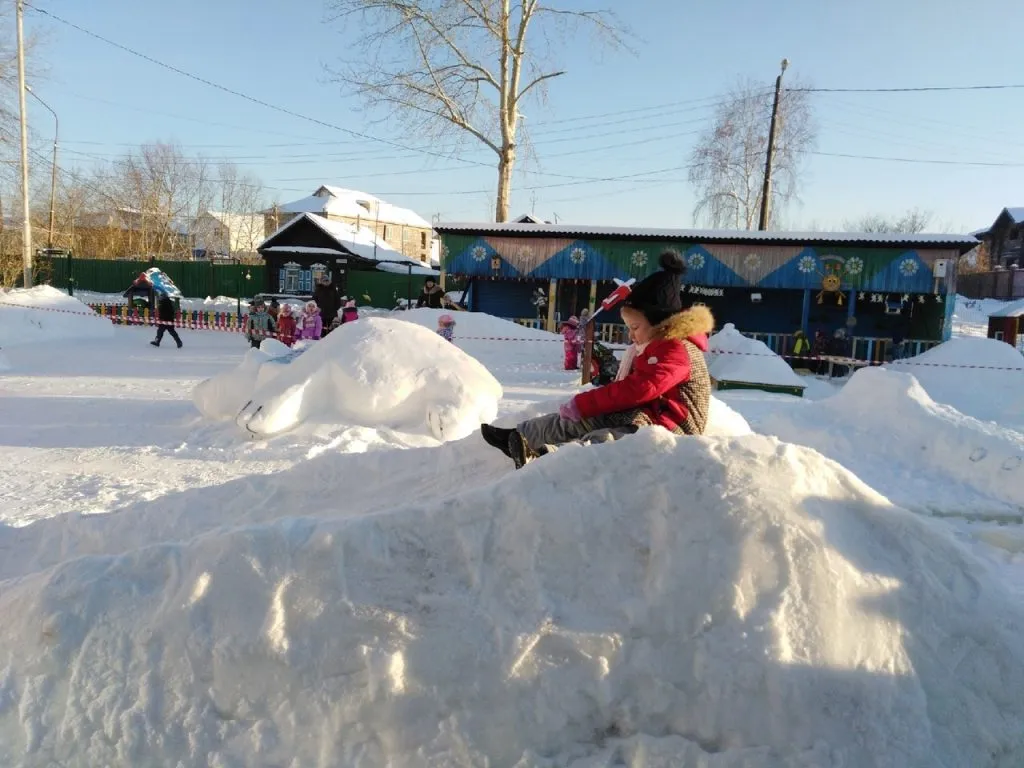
x=286, y=326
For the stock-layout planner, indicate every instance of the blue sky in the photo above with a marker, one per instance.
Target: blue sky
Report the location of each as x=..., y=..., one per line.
x=686, y=54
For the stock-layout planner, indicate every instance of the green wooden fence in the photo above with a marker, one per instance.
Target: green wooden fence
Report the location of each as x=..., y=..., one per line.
x=199, y=279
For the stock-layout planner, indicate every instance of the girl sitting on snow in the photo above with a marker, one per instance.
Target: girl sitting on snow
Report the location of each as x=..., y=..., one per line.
x=667, y=383
x=312, y=323
x=286, y=325
x=570, y=344
x=446, y=327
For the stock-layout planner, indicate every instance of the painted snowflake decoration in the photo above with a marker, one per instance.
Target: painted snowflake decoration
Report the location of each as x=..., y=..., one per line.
x=908, y=267
x=854, y=265
x=577, y=256
x=695, y=260
x=752, y=261
x=806, y=264
x=479, y=253
x=639, y=258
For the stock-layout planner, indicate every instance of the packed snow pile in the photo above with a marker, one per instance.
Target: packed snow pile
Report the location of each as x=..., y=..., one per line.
x=44, y=314
x=5, y=364
x=375, y=372
x=884, y=427
x=734, y=602
x=983, y=378
x=735, y=357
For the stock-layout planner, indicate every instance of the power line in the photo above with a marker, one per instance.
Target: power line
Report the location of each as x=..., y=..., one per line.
x=924, y=160
x=233, y=92
x=920, y=89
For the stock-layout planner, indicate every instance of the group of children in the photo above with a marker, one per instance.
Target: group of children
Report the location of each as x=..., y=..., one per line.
x=289, y=326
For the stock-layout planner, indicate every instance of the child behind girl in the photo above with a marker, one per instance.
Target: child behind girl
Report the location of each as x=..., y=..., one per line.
x=260, y=324
x=312, y=323
x=349, y=312
x=446, y=327
x=571, y=344
x=286, y=325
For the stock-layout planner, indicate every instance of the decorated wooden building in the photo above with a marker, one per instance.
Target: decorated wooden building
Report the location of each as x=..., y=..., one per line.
x=768, y=284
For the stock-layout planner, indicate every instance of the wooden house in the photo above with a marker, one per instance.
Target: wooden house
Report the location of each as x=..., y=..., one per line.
x=1007, y=324
x=402, y=229
x=768, y=284
x=309, y=247
x=1005, y=239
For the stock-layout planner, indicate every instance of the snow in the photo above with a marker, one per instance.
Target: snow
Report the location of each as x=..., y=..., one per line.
x=43, y=313
x=737, y=358
x=376, y=372
x=991, y=393
x=970, y=316
x=1017, y=214
x=529, y=622
x=934, y=459
x=827, y=581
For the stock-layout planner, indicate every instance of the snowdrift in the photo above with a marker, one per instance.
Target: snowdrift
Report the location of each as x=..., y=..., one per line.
x=375, y=373
x=734, y=357
x=884, y=427
x=698, y=602
x=28, y=317
x=985, y=393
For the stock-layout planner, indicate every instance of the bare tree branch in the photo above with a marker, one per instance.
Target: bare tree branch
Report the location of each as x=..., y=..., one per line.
x=727, y=163
x=456, y=67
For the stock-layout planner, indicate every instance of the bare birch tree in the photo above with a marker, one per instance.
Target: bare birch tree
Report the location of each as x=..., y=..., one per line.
x=910, y=223
x=727, y=163
x=462, y=67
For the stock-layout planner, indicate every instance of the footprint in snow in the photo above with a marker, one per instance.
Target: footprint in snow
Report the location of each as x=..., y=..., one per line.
x=978, y=454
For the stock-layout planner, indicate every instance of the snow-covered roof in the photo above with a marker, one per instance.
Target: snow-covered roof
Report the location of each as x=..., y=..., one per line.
x=402, y=269
x=709, y=235
x=351, y=203
x=359, y=241
x=1017, y=214
x=1013, y=309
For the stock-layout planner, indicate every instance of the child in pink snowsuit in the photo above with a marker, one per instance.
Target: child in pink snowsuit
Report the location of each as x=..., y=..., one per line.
x=312, y=323
x=446, y=327
x=349, y=313
x=570, y=344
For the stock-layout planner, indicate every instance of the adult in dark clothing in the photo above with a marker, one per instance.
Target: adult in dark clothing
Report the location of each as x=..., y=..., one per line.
x=328, y=300
x=432, y=295
x=165, y=313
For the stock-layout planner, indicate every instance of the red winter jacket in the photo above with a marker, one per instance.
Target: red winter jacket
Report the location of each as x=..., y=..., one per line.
x=663, y=379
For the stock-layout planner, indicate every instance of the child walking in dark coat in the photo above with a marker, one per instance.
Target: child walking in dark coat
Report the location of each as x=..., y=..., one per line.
x=165, y=314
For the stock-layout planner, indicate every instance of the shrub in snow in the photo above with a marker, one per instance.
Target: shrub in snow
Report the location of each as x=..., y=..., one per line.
x=376, y=372
x=698, y=601
x=28, y=317
x=735, y=357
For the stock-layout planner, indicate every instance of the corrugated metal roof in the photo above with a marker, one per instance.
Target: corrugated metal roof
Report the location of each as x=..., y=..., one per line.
x=965, y=242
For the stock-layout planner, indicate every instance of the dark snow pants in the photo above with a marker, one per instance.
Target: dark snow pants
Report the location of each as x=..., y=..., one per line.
x=161, y=329
x=550, y=430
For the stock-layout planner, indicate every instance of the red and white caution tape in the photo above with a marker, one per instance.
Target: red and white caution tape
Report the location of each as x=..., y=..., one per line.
x=134, y=319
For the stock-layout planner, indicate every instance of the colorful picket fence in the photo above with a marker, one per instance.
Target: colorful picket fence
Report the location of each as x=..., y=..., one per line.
x=123, y=314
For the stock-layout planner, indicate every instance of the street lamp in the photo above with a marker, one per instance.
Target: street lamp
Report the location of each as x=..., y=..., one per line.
x=53, y=177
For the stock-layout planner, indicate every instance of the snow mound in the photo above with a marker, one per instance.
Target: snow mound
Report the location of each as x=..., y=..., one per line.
x=5, y=364
x=476, y=324
x=994, y=392
x=43, y=314
x=735, y=357
x=697, y=602
x=375, y=372
x=884, y=427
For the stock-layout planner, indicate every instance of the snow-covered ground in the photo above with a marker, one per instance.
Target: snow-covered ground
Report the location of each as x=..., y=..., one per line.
x=841, y=587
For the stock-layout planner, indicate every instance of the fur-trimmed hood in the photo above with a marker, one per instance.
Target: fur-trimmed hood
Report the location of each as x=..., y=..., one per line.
x=694, y=324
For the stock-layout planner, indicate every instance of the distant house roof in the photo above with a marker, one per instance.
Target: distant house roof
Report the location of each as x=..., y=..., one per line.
x=961, y=242
x=1013, y=309
x=358, y=241
x=353, y=204
x=1015, y=214
x=528, y=219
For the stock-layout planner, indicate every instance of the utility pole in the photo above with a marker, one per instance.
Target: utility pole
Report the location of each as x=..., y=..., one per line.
x=766, y=190
x=53, y=176
x=26, y=236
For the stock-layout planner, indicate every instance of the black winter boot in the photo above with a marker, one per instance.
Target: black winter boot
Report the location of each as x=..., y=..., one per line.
x=518, y=450
x=155, y=343
x=496, y=437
